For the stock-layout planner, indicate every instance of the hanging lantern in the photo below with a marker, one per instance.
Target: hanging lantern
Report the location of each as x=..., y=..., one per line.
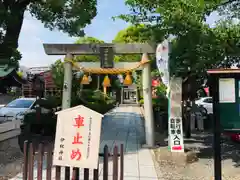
x=85, y=80
x=120, y=77
x=106, y=82
x=89, y=78
x=127, y=80
x=79, y=74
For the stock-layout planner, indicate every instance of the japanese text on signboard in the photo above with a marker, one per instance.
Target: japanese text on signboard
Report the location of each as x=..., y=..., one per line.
x=176, y=133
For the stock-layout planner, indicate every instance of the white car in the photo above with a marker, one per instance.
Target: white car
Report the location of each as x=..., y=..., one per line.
x=16, y=109
x=207, y=103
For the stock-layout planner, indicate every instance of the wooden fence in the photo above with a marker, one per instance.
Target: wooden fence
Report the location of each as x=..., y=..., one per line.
x=31, y=156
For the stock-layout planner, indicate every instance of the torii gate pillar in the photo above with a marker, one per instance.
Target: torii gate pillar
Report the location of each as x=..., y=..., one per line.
x=148, y=110
x=67, y=83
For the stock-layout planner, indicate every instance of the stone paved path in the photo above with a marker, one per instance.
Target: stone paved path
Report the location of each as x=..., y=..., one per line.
x=124, y=125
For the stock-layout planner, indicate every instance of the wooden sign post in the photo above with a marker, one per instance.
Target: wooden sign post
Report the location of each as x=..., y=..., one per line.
x=77, y=138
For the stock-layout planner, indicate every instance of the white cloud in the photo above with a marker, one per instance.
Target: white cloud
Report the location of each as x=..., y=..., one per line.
x=30, y=25
x=32, y=37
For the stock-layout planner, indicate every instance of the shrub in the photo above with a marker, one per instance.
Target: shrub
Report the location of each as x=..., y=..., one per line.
x=43, y=123
x=97, y=101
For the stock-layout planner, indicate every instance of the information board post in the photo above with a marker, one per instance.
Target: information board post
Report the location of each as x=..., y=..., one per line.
x=214, y=87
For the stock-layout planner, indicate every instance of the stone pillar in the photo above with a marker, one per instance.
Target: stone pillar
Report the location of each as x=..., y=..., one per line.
x=137, y=99
x=122, y=95
x=67, y=84
x=148, y=110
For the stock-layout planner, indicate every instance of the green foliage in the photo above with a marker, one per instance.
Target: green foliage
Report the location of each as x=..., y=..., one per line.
x=132, y=34
x=96, y=101
x=50, y=103
x=230, y=9
x=155, y=73
x=20, y=74
x=58, y=73
x=45, y=121
x=160, y=103
x=161, y=90
x=194, y=41
x=141, y=102
x=195, y=47
x=68, y=16
x=58, y=77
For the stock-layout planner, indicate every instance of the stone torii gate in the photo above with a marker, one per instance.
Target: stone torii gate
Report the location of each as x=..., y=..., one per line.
x=69, y=50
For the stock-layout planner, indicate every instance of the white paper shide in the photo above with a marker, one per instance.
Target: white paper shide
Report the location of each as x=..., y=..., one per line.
x=77, y=138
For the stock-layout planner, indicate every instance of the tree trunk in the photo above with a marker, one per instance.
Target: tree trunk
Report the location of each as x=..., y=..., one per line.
x=189, y=95
x=188, y=120
x=13, y=22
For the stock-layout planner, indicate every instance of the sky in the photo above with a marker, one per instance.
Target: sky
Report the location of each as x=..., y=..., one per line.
x=33, y=34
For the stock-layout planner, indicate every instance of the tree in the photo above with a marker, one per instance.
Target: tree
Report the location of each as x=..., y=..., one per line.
x=131, y=34
x=195, y=46
x=57, y=69
x=134, y=34
x=69, y=16
x=230, y=9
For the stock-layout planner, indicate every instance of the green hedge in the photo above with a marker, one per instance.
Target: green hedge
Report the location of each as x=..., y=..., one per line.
x=45, y=122
x=97, y=101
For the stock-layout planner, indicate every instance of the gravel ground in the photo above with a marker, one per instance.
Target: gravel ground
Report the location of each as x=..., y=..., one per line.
x=203, y=168
x=11, y=157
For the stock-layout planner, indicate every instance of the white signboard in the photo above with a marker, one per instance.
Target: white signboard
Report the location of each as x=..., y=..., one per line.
x=176, y=134
x=77, y=138
x=227, y=90
x=162, y=61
